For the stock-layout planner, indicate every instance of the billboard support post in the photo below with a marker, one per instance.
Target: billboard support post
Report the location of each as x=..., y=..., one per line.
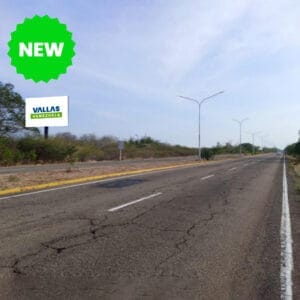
x=46, y=132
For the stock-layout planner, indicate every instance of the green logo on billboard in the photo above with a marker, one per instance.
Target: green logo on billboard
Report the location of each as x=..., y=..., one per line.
x=41, y=48
x=46, y=115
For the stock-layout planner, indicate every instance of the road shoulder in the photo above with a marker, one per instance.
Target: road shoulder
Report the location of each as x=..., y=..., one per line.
x=294, y=201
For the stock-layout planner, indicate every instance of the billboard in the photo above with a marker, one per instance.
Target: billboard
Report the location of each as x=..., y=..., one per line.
x=46, y=111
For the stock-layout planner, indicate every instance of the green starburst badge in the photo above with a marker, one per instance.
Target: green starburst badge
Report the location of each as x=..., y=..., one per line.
x=41, y=48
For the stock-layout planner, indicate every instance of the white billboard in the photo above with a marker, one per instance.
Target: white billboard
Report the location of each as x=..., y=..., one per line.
x=46, y=111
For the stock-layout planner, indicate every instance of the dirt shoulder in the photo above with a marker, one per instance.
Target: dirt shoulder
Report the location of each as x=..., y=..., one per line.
x=294, y=201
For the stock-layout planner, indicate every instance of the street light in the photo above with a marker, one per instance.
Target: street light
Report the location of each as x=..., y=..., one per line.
x=241, y=124
x=200, y=102
x=262, y=141
x=253, y=137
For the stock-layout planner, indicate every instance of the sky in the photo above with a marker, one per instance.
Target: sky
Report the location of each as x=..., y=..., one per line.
x=134, y=57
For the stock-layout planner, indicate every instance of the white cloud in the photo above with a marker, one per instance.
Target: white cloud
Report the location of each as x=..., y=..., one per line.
x=151, y=51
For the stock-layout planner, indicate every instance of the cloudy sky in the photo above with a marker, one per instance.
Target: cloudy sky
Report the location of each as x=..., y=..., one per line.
x=134, y=57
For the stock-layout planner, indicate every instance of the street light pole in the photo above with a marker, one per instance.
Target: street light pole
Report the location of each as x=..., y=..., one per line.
x=199, y=131
x=241, y=124
x=253, y=137
x=262, y=141
x=199, y=103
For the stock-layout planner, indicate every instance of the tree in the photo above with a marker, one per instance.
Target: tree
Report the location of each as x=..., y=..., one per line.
x=12, y=111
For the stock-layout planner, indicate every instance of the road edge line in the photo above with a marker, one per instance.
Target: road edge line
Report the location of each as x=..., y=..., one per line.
x=286, y=266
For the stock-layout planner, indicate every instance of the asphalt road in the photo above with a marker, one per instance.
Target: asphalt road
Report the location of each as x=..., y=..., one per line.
x=204, y=232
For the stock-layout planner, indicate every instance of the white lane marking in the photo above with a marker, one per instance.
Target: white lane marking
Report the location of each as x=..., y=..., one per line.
x=133, y=202
x=232, y=169
x=206, y=177
x=245, y=165
x=93, y=182
x=286, y=243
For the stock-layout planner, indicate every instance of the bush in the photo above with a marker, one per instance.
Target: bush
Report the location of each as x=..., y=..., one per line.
x=8, y=153
x=207, y=153
x=85, y=153
x=293, y=149
x=51, y=150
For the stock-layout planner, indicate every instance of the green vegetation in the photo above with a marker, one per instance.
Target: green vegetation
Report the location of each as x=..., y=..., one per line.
x=12, y=111
x=296, y=166
x=293, y=150
x=66, y=147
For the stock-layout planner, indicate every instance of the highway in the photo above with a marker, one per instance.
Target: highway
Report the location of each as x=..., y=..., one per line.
x=201, y=232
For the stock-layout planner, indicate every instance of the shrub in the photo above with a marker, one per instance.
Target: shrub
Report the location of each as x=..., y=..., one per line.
x=8, y=153
x=51, y=150
x=207, y=153
x=85, y=153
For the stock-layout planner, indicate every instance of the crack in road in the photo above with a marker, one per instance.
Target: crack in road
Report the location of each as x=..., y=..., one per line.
x=95, y=225
x=179, y=246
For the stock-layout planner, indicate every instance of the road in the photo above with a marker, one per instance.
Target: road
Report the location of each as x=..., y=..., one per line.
x=203, y=232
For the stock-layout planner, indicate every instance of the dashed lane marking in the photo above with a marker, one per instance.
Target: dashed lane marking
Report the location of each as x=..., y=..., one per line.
x=134, y=202
x=206, y=177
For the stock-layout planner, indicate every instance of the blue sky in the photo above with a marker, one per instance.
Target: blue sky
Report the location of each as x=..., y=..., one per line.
x=134, y=57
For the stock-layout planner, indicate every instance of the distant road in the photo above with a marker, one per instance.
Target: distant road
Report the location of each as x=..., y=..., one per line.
x=204, y=232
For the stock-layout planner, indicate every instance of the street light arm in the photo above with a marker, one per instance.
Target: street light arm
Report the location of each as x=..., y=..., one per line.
x=204, y=99
x=191, y=99
x=240, y=121
x=211, y=96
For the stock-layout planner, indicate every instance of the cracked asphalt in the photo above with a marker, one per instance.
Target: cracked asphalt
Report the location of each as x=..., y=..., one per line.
x=202, y=238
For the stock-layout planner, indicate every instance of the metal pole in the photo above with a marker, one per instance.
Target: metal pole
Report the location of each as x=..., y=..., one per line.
x=120, y=155
x=199, y=137
x=253, y=140
x=240, y=122
x=46, y=132
x=262, y=141
x=240, y=138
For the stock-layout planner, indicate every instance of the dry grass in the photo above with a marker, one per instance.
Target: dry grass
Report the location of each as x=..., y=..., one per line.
x=296, y=166
x=297, y=169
